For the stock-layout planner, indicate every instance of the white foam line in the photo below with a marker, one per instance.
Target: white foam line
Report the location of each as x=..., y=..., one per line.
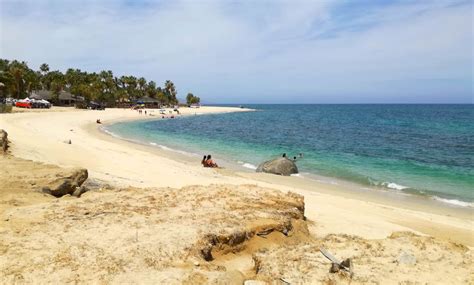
x=454, y=202
x=250, y=166
x=393, y=185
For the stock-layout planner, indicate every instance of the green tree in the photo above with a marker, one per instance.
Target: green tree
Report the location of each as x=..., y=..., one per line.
x=141, y=86
x=18, y=80
x=170, y=92
x=44, y=68
x=55, y=91
x=151, y=90
x=191, y=99
x=18, y=71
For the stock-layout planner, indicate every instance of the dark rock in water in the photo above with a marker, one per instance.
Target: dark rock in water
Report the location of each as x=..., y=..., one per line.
x=68, y=184
x=280, y=166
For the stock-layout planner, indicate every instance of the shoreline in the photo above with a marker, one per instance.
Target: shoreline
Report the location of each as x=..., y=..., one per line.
x=124, y=163
x=241, y=158
x=388, y=195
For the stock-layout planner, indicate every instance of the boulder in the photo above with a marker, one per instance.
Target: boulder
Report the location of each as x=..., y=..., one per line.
x=280, y=166
x=79, y=191
x=68, y=185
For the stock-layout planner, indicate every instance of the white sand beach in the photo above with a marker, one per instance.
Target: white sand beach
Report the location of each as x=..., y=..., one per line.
x=333, y=216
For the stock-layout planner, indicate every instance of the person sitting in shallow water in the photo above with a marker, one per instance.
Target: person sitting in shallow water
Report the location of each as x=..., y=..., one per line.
x=210, y=162
x=203, y=161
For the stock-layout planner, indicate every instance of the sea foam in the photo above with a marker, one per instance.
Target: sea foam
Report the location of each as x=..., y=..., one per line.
x=454, y=202
x=250, y=166
x=110, y=133
x=393, y=185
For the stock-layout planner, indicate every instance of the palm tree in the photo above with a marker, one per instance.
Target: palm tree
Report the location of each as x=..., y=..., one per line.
x=151, y=89
x=18, y=79
x=44, y=68
x=17, y=73
x=170, y=92
x=141, y=82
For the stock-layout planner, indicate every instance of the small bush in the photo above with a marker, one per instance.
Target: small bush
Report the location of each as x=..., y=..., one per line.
x=5, y=108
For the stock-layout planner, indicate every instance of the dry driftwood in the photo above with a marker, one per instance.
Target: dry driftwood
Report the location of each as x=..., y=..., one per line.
x=336, y=264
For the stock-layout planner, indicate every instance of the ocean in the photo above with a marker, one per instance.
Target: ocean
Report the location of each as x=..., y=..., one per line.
x=416, y=149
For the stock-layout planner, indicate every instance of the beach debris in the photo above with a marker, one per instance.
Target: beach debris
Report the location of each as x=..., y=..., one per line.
x=280, y=166
x=406, y=258
x=68, y=185
x=264, y=233
x=336, y=265
x=4, y=140
x=68, y=142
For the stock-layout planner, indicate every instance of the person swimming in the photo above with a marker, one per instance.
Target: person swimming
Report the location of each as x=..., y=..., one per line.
x=284, y=155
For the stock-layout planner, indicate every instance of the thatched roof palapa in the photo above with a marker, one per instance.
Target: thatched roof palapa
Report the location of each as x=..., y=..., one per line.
x=147, y=100
x=47, y=95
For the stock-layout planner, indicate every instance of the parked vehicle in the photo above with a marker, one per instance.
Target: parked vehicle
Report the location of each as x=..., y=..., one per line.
x=95, y=106
x=10, y=101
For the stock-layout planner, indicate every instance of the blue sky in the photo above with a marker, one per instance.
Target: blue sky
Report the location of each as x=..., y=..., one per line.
x=297, y=51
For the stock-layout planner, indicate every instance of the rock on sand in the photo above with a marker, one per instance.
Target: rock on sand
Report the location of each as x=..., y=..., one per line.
x=281, y=166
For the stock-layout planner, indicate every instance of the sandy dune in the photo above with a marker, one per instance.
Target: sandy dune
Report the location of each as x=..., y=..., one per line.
x=216, y=234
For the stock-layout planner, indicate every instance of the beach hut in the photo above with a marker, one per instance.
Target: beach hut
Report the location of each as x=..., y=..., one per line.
x=64, y=99
x=148, y=102
x=123, y=103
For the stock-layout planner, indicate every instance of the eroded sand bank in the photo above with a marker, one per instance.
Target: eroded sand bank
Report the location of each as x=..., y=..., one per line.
x=215, y=234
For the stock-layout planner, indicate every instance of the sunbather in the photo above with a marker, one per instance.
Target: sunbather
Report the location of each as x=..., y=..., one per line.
x=210, y=162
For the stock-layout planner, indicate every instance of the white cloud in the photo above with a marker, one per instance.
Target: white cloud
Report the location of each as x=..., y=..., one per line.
x=229, y=51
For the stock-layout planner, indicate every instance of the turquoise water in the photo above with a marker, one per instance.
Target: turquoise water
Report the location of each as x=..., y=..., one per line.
x=420, y=149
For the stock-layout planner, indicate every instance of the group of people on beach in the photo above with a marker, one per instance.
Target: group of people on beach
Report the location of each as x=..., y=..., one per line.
x=300, y=155
x=208, y=162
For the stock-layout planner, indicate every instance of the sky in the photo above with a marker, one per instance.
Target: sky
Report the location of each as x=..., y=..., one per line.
x=300, y=51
